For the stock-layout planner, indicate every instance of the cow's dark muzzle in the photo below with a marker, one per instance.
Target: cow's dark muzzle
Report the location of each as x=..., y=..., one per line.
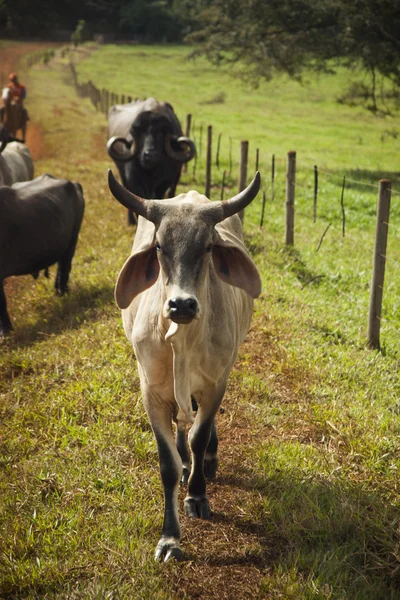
x=183, y=310
x=149, y=159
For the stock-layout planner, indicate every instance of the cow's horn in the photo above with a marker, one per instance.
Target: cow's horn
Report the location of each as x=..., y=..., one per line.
x=240, y=201
x=126, y=198
x=184, y=155
x=113, y=152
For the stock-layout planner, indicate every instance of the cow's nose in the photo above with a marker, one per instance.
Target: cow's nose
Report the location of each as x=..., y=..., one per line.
x=149, y=157
x=183, y=310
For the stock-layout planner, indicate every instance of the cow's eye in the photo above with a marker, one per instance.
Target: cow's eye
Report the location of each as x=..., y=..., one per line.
x=158, y=247
x=209, y=248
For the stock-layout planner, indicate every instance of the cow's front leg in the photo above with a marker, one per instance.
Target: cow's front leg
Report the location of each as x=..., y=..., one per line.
x=196, y=502
x=171, y=473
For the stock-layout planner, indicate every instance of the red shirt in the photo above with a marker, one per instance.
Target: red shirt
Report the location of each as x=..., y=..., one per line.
x=18, y=91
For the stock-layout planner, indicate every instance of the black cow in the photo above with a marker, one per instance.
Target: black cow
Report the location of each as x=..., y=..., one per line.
x=147, y=145
x=39, y=226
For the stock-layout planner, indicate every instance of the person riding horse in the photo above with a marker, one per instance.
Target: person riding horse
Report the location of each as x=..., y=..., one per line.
x=14, y=114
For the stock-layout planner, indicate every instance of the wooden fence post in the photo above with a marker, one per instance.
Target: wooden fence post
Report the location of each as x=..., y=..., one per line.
x=315, y=192
x=342, y=207
x=273, y=178
x=244, y=156
x=223, y=185
x=200, y=141
x=187, y=134
x=208, y=161
x=378, y=274
x=290, y=193
x=263, y=208
x=218, y=149
x=188, y=124
x=106, y=102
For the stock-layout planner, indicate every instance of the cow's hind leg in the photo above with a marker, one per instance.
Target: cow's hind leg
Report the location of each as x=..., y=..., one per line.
x=196, y=502
x=184, y=453
x=171, y=473
x=211, y=456
x=62, y=276
x=64, y=268
x=183, y=448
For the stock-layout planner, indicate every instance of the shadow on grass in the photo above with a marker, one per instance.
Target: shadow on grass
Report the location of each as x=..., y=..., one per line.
x=55, y=315
x=331, y=532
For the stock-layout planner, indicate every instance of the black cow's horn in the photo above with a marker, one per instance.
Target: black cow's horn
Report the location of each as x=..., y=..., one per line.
x=185, y=154
x=112, y=149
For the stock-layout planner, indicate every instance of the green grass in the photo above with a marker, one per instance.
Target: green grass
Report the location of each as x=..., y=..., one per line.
x=306, y=503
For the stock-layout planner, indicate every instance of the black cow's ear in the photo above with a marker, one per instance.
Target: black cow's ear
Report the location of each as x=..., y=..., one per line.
x=138, y=274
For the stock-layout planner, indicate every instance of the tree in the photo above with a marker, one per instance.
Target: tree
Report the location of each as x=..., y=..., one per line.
x=266, y=37
x=371, y=33
x=270, y=36
x=78, y=36
x=150, y=20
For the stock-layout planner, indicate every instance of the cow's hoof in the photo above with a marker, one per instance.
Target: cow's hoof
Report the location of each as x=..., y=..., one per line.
x=167, y=549
x=197, y=507
x=210, y=467
x=185, y=475
x=5, y=330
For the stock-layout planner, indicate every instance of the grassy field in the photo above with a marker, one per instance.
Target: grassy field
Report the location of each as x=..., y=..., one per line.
x=306, y=502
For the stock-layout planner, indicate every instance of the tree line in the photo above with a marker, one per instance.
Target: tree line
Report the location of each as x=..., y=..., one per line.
x=263, y=37
x=147, y=21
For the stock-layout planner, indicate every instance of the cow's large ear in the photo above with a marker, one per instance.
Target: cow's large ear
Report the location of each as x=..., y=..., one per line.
x=138, y=273
x=235, y=267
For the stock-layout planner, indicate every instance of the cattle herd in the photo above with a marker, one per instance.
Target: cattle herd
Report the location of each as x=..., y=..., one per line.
x=186, y=291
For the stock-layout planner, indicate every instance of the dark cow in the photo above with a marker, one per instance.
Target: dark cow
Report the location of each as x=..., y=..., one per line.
x=147, y=145
x=39, y=226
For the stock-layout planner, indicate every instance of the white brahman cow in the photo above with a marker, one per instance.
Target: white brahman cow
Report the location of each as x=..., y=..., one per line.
x=186, y=295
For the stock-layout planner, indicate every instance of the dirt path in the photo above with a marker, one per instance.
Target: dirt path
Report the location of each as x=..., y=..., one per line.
x=227, y=556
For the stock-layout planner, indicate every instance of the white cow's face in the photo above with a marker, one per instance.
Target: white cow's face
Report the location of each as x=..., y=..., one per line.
x=184, y=243
x=184, y=255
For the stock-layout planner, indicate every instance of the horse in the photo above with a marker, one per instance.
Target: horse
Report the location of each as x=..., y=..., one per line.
x=13, y=114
